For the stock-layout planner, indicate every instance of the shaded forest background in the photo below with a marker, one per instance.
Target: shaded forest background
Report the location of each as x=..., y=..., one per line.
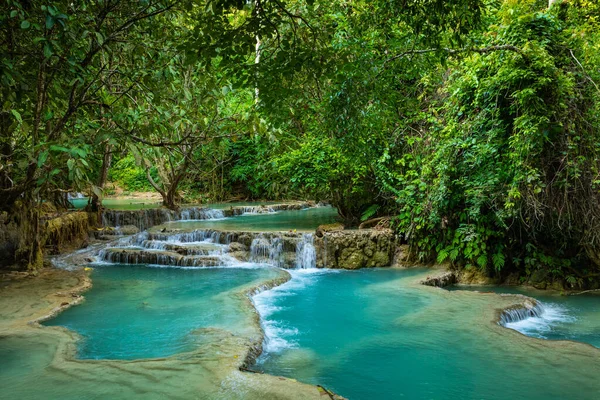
x=474, y=124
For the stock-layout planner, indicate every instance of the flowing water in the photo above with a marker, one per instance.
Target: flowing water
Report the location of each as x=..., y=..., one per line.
x=559, y=317
x=177, y=328
x=300, y=220
x=135, y=311
x=378, y=334
x=120, y=204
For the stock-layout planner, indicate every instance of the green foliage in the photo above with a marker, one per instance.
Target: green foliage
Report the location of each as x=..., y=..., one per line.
x=130, y=176
x=369, y=212
x=509, y=176
x=475, y=123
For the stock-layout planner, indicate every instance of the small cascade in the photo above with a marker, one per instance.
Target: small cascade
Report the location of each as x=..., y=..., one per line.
x=139, y=256
x=267, y=250
x=530, y=309
x=192, y=236
x=306, y=254
x=258, y=210
x=144, y=219
x=73, y=196
x=195, y=213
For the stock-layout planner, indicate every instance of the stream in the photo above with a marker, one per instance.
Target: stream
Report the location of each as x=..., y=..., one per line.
x=179, y=292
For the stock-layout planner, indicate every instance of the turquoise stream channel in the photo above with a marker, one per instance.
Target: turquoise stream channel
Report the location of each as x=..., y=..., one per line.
x=575, y=317
x=135, y=311
x=301, y=220
x=376, y=334
x=368, y=334
x=141, y=204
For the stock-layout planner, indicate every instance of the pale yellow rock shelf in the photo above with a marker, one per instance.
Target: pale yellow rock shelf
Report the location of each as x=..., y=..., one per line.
x=212, y=371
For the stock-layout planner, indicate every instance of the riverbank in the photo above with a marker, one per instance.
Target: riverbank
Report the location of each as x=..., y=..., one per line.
x=413, y=341
x=216, y=369
x=40, y=359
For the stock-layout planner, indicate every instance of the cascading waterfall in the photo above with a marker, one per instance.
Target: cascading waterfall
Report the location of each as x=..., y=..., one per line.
x=188, y=237
x=144, y=219
x=284, y=250
x=516, y=314
x=267, y=250
x=195, y=213
x=306, y=254
x=258, y=210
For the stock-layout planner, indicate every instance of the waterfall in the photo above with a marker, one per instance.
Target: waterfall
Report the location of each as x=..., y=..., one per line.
x=195, y=213
x=306, y=255
x=516, y=314
x=257, y=210
x=267, y=250
x=147, y=218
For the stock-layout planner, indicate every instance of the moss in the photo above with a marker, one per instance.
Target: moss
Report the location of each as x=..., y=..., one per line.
x=66, y=232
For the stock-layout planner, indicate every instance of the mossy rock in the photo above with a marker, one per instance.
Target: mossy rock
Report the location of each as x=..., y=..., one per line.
x=322, y=229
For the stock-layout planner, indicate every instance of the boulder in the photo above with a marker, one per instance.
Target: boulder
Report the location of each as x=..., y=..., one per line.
x=237, y=246
x=443, y=280
x=322, y=229
x=352, y=249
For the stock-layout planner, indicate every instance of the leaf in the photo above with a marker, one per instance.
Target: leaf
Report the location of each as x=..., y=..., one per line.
x=42, y=158
x=17, y=115
x=369, y=212
x=49, y=22
x=25, y=24
x=97, y=191
x=442, y=256
x=59, y=148
x=70, y=164
x=48, y=50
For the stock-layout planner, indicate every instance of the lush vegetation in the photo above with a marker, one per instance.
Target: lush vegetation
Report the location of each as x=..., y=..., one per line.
x=474, y=124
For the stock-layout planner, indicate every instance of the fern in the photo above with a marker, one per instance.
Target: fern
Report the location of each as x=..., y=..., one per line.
x=369, y=212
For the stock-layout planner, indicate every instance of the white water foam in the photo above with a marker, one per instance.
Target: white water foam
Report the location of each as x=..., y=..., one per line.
x=278, y=336
x=546, y=322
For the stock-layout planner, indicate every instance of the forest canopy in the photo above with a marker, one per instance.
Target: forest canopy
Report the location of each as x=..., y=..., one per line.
x=472, y=124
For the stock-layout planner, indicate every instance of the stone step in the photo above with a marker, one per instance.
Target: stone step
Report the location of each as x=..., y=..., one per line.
x=143, y=256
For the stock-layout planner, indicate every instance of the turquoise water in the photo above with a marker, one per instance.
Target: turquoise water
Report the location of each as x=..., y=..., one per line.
x=142, y=312
x=139, y=204
x=575, y=317
x=300, y=220
x=368, y=334
x=120, y=204
x=374, y=334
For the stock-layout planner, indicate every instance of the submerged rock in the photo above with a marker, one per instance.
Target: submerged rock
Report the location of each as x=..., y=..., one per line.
x=443, y=280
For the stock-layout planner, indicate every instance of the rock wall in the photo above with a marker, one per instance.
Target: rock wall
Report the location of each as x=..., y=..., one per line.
x=353, y=249
x=61, y=233
x=68, y=232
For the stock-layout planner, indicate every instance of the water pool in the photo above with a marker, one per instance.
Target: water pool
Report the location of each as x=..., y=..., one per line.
x=301, y=220
x=120, y=204
x=136, y=311
x=379, y=334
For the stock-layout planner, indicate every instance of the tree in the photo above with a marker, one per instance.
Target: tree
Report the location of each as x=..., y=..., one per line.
x=56, y=62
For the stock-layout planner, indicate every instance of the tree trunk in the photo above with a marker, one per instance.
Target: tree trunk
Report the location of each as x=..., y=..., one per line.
x=96, y=203
x=29, y=254
x=171, y=198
